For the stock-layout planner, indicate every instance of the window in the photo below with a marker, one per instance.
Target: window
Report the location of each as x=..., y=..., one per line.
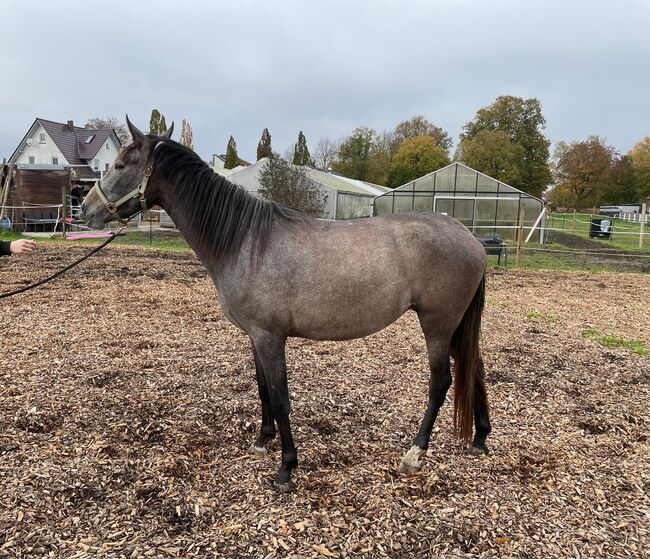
x=96, y=164
x=32, y=160
x=89, y=139
x=107, y=146
x=55, y=160
x=107, y=168
x=42, y=138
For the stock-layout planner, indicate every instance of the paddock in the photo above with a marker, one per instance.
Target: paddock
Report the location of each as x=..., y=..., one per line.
x=128, y=403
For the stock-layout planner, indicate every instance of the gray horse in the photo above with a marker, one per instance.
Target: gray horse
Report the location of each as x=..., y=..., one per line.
x=279, y=273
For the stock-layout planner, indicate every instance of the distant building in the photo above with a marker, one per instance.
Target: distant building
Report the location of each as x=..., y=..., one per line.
x=345, y=198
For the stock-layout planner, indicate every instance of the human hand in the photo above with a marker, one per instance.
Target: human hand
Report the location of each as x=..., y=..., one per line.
x=22, y=246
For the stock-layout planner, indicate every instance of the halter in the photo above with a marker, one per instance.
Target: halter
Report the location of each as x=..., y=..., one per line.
x=137, y=192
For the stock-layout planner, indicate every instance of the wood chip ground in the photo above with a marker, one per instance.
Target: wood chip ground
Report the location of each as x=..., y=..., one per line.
x=128, y=402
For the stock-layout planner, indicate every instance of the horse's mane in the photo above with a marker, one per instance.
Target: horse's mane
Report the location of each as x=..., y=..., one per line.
x=222, y=214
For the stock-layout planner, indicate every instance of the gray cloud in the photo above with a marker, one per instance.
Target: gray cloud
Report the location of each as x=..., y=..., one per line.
x=324, y=67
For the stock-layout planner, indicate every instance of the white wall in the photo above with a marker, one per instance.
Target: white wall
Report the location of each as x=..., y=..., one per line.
x=106, y=155
x=42, y=153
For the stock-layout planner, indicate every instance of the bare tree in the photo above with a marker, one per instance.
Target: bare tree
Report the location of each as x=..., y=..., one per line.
x=187, y=137
x=325, y=153
x=110, y=123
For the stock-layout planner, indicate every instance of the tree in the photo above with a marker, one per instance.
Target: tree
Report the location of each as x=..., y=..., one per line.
x=415, y=158
x=301, y=152
x=623, y=186
x=187, y=137
x=640, y=158
x=290, y=186
x=492, y=152
x=264, y=148
x=110, y=123
x=354, y=153
x=157, y=124
x=232, y=159
x=419, y=126
x=583, y=174
x=325, y=153
x=524, y=122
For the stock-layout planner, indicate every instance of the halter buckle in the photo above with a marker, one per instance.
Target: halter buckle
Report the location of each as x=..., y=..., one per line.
x=148, y=170
x=111, y=208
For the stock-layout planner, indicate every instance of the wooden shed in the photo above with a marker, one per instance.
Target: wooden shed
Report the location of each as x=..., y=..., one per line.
x=31, y=197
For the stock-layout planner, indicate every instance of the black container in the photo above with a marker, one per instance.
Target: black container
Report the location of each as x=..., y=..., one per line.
x=601, y=228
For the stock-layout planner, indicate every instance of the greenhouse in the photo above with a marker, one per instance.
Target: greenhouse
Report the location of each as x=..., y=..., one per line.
x=483, y=204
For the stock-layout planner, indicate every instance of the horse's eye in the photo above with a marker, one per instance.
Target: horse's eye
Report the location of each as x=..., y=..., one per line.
x=118, y=165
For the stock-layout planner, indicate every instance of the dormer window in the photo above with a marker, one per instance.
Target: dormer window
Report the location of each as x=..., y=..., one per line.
x=89, y=139
x=41, y=139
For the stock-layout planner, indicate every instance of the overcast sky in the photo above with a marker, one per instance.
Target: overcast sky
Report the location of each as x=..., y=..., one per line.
x=324, y=67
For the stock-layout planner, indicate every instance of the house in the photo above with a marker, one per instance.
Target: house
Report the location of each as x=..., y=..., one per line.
x=52, y=145
x=218, y=164
x=53, y=161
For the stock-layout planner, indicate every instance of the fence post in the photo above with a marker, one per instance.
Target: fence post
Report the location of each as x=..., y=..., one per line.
x=642, y=224
x=573, y=227
x=64, y=210
x=520, y=237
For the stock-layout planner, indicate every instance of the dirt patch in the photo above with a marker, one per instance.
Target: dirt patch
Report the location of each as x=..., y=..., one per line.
x=127, y=404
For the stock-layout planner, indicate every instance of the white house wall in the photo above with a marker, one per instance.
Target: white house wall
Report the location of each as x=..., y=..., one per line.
x=42, y=153
x=106, y=155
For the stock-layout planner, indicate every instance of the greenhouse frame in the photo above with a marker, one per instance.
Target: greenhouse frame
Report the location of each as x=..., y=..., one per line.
x=483, y=204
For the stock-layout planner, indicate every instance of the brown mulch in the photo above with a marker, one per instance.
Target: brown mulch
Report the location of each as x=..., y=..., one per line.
x=128, y=402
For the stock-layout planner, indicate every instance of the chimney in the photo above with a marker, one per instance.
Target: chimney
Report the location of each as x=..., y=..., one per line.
x=70, y=124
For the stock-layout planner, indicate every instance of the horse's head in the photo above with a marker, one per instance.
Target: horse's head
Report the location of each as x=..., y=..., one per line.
x=120, y=193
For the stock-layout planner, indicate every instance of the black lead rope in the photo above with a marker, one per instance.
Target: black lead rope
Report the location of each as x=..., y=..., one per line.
x=61, y=272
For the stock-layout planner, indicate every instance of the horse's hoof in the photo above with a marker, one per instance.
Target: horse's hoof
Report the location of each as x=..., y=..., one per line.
x=478, y=450
x=286, y=487
x=257, y=450
x=408, y=469
x=412, y=463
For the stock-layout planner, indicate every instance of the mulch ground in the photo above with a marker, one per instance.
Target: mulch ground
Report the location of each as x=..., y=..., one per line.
x=128, y=402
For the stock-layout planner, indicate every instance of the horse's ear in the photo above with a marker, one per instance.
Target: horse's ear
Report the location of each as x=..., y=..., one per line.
x=139, y=138
x=168, y=133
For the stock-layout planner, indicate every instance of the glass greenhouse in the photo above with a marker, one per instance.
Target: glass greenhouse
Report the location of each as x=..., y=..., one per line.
x=483, y=204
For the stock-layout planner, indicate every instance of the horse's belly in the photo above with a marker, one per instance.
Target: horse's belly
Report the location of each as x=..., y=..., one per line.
x=345, y=322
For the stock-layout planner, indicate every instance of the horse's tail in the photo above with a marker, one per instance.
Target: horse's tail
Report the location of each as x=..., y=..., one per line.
x=468, y=365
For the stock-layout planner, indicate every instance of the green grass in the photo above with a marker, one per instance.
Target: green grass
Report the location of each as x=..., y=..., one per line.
x=612, y=341
x=625, y=234
x=550, y=318
x=164, y=240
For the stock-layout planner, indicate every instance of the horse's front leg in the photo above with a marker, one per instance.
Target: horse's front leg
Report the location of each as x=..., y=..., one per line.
x=271, y=354
x=267, y=431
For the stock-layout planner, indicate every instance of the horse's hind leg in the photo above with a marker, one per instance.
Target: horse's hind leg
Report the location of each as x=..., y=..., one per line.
x=439, y=383
x=267, y=431
x=481, y=416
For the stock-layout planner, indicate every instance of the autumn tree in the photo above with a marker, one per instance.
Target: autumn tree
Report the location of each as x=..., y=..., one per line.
x=187, y=136
x=522, y=120
x=232, y=159
x=301, y=151
x=415, y=158
x=492, y=152
x=354, y=152
x=583, y=173
x=622, y=187
x=290, y=186
x=110, y=123
x=264, y=148
x=640, y=157
x=157, y=124
x=420, y=126
x=325, y=153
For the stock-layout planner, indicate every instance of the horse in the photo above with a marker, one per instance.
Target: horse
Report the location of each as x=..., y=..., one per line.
x=279, y=273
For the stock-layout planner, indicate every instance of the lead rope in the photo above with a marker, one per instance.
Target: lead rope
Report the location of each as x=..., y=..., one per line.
x=64, y=270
